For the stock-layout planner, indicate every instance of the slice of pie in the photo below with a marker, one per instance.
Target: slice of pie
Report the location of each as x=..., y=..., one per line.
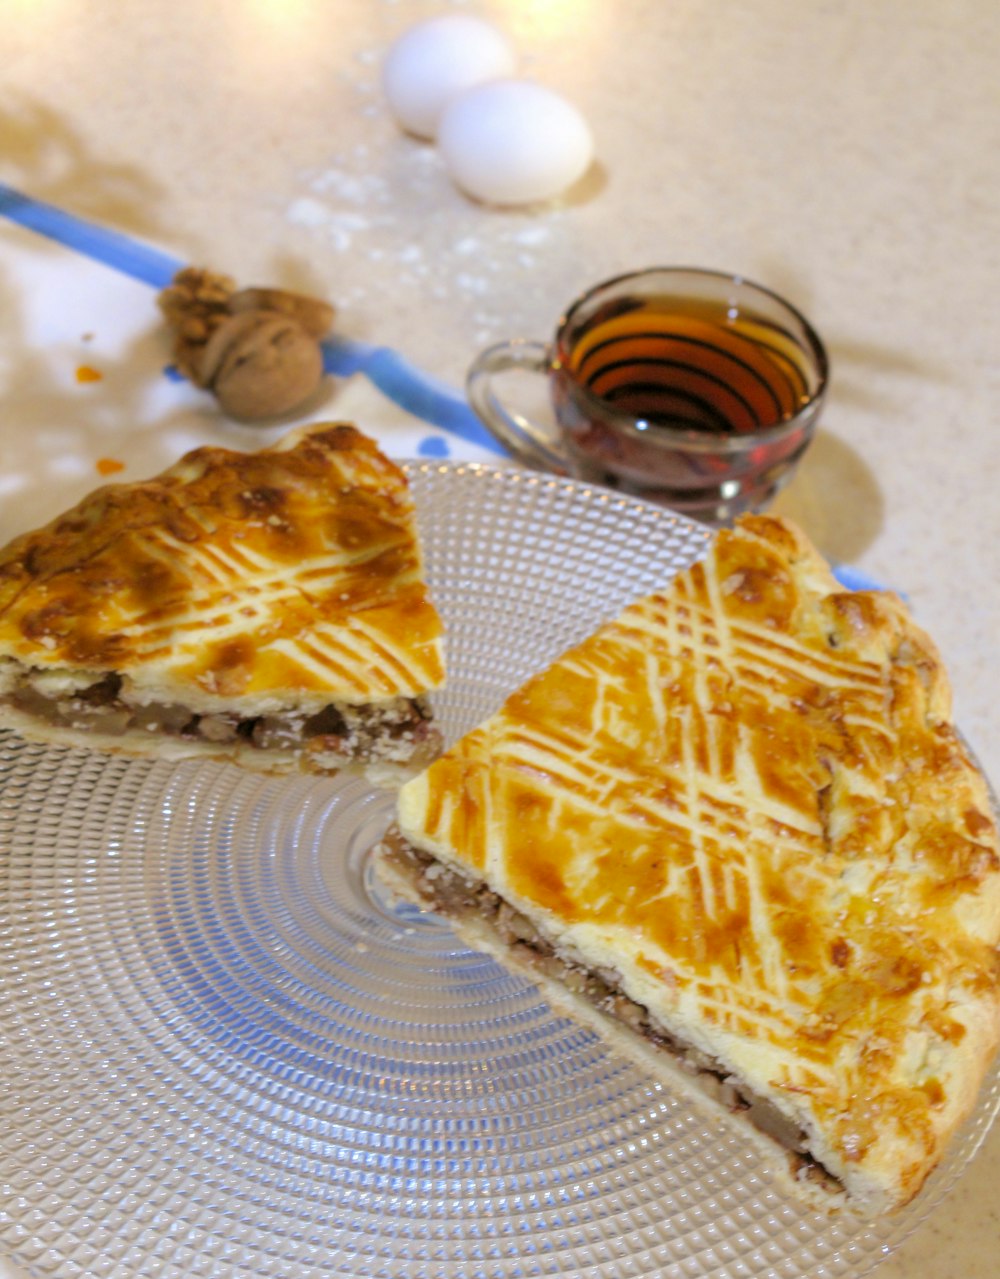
x=736, y=832
x=267, y=607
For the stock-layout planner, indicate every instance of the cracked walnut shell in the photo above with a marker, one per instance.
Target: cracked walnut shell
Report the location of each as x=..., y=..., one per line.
x=256, y=349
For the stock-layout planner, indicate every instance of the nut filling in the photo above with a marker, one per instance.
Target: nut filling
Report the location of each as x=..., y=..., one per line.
x=400, y=731
x=455, y=896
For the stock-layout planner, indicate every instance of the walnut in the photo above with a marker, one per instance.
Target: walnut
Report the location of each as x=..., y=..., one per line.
x=314, y=316
x=194, y=304
x=260, y=364
x=256, y=349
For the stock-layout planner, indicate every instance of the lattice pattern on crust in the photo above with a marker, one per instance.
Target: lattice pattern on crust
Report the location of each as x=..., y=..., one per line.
x=289, y=576
x=745, y=796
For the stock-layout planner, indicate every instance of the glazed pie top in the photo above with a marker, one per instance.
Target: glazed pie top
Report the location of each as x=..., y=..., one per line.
x=285, y=578
x=746, y=798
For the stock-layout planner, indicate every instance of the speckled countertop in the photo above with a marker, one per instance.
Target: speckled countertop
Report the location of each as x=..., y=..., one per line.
x=842, y=152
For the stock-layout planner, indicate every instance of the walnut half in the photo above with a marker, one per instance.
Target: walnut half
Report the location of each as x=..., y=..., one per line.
x=257, y=350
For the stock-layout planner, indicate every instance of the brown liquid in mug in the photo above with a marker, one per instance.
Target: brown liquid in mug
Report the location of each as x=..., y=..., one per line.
x=680, y=363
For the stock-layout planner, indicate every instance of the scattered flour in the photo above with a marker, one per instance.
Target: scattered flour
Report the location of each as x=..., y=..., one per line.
x=390, y=215
x=308, y=212
x=532, y=235
x=386, y=198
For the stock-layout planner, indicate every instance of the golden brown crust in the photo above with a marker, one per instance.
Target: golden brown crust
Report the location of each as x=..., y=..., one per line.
x=791, y=1174
x=746, y=795
x=242, y=583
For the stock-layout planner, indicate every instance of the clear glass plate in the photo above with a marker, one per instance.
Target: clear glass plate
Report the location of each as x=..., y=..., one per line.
x=224, y=1052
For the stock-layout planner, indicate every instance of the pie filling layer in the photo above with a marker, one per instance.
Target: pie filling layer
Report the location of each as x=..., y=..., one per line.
x=457, y=897
x=399, y=730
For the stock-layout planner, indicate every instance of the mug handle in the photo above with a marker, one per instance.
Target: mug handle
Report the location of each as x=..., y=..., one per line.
x=527, y=440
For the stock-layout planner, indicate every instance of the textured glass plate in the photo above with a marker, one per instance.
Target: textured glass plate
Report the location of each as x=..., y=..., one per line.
x=223, y=1052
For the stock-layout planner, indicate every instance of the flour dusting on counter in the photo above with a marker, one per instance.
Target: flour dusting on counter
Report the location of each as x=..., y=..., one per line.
x=373, y=218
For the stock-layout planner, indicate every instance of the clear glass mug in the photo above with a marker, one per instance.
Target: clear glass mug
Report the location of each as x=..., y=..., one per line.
x=697, y=389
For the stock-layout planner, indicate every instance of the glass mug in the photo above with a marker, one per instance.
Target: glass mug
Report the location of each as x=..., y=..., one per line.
x=694, y=388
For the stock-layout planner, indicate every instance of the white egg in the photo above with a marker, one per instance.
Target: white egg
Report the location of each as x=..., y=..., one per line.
x=514, y=142
x=434, y=61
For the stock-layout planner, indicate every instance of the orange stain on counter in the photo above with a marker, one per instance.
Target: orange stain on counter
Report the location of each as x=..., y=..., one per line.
x=87, y=374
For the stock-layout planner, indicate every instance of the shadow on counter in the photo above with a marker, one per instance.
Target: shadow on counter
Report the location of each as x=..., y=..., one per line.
x=835, y=498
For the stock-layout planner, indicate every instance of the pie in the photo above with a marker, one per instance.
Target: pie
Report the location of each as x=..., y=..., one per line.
x=735, y=831
x=267, y=608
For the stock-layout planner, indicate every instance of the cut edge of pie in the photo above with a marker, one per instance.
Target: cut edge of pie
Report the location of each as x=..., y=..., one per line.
x=736, y=833
x=267, y=608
